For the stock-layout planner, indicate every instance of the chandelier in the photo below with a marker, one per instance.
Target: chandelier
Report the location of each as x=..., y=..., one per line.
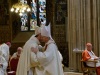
x=20, y=8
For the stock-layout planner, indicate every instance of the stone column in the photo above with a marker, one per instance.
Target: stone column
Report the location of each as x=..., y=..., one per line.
x=98, y=28
x=83, y=27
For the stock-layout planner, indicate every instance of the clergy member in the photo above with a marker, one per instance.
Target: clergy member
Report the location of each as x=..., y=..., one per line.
x=17, y=54
x=49, y=59
x=28, y=64
x=3, y=64
x=5, y=50
x=88, y=55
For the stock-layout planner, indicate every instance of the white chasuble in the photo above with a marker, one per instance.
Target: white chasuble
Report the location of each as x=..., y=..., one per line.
x=50, y=60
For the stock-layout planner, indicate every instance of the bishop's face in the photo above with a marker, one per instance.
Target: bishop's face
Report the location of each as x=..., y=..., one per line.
x=44, y=39
x=39, y=37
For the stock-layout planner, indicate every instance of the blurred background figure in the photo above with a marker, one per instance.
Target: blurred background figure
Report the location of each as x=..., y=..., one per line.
x=3, y=64
x=17, y=54
x=9, y=44
x=5, y=50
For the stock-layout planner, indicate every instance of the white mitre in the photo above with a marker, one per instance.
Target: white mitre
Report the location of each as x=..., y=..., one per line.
x=46, y=31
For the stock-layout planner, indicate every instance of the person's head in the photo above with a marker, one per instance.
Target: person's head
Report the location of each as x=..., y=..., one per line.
x=45, y=38
x=19, y=50
x=9, y=44
x=38, y=33
x=45, y=33
x=38, y=37
x=89, y=46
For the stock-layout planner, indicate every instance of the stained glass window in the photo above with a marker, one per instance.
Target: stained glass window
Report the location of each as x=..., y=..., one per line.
x=42, y=12
x=37, y=16
x=24, y=22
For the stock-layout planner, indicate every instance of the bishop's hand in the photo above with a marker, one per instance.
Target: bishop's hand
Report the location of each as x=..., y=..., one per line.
x=35, y=50
x=96, y=58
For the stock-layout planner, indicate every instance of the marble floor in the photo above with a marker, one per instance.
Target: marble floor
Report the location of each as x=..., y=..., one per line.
x=70, y=72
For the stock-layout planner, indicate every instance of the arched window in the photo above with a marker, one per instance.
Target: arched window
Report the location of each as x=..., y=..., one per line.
x=36, y=17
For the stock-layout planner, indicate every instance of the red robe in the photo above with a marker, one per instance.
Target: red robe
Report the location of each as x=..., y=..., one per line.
x=86, y=57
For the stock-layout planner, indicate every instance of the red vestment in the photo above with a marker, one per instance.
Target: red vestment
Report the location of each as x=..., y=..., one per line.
x=85, y=55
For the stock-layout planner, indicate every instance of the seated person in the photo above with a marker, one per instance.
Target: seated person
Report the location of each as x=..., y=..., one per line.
x=17, y=54
x=14, y=59
x=88, y=55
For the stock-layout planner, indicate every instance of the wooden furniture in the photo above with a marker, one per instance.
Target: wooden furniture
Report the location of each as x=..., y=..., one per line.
x=86, y=69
